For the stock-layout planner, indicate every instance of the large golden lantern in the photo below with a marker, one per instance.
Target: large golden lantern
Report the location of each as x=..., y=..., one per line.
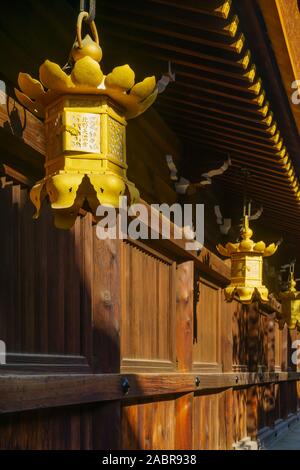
x=246, y=267
x=85, y=125
x=290, y=305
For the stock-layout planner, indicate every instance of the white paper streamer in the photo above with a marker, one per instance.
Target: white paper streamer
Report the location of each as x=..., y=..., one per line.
x=172, y=168
x=182, y=186
x=257, y=214
x=225, y=224
x=218, y=171
x=2, y=93
x=218, y=215
x=166, y=79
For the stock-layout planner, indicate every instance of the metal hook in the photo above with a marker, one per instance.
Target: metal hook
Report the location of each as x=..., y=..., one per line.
x=91, y=11
x=247, y=203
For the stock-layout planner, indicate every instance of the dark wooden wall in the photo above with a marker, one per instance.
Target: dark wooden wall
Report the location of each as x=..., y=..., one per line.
x=90, y=314
x=117, y=344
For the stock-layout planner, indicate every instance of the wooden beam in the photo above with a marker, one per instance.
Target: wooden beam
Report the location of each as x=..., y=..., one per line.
x=106, y=305
x=187, y=19
x=15, y=176
x=282, y=20
x=218, y=8
x=208, y=263
x=22, y=139
x=23, y=392
x=232, y=46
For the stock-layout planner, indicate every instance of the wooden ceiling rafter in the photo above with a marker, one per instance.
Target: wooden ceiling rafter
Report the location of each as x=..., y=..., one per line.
x=217, y=8
x=210, y=24
x=219, y=100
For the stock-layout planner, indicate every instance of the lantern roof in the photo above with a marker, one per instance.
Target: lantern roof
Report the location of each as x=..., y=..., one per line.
x=247, y=245
x=85, y=76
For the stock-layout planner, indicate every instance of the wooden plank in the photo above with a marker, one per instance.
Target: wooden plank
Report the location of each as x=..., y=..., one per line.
x=184, y=422
x=252, y=412
x=15, y=176
x=59, y=429
x=106, y=426
x=206, y=422
x=23, y=392
x=22, y=136
x=206, y=349
x=228, y=417
x=149, y=425
x=106, y=305
x=148, y=319
x=184, y=315
x=184, y=351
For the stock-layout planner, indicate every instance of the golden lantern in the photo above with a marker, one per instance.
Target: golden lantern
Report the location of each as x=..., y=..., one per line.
x=246, y=266
x=290, y=305
x=85, y=125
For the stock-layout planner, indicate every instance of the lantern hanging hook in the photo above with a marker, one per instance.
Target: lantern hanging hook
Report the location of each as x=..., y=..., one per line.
x=91, y=10
x=292, y=267
x=247, y=202
x=83, y=16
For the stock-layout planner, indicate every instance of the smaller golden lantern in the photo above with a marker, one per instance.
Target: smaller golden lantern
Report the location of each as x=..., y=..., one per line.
x=246, y=267
x=86, y=114
x=290, y=305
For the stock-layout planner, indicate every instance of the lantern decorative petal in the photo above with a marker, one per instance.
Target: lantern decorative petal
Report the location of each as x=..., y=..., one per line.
x=121, y=77
x=109, y=188
x=143, y=89
x=87, y=72
x=33, y=106
x=231, y=248
x=30, y=87
x=222, y=250
x=229, y=293
x=270, y=250
x=54, y=78
x=259, y=247
x=246, y=245
x=37, y=195
x=144, y=105
x=62, y=189
x=263, y=293
x=245, y=294
x=132, y=106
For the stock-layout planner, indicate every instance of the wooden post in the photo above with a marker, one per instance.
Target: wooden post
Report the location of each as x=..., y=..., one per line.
x=184, y=316
x=106, y=306
x=106, y=337
x=184, y=351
